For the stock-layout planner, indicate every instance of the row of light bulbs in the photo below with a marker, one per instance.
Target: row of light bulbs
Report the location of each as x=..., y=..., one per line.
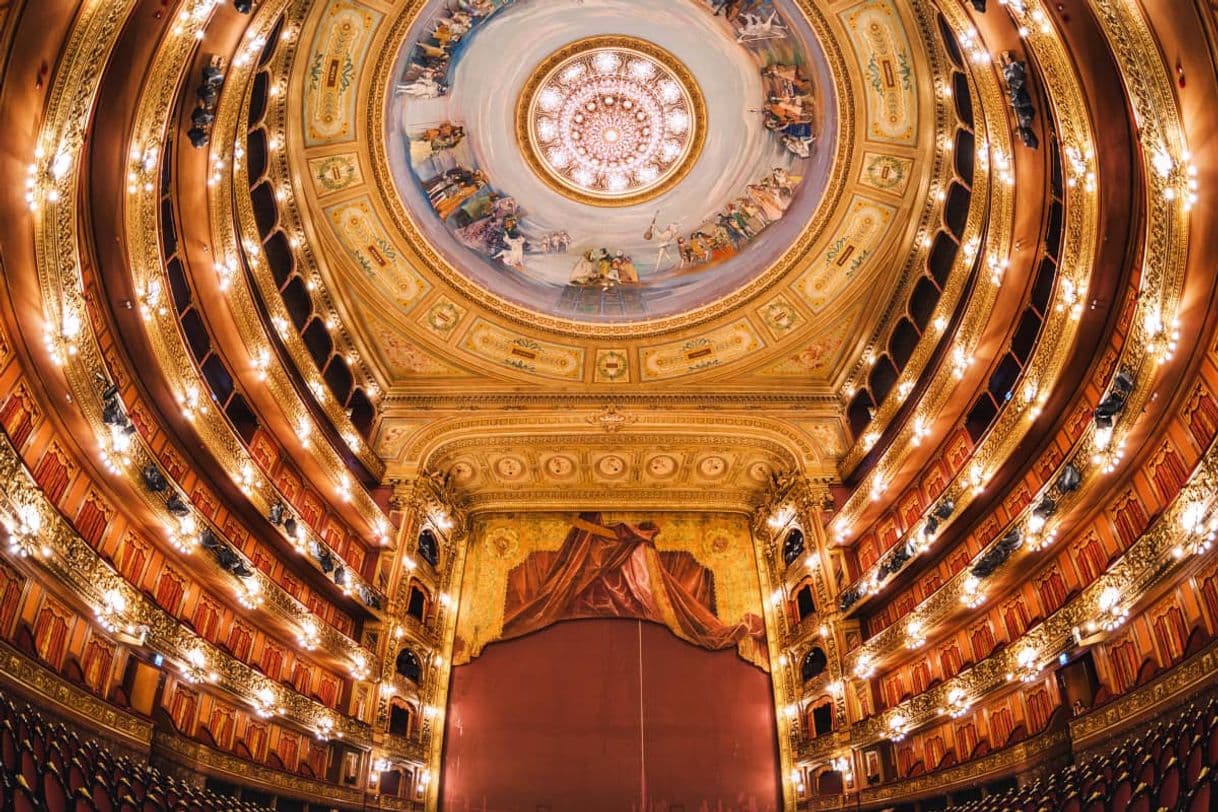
x=24, y=526
x=1200, y=532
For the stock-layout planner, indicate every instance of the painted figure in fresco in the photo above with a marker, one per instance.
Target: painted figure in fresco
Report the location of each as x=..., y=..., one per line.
x=730, y=9
x=789, y=107
x=584, y=271
x=623, y=267
x=596, y=267
x=755, y=29
x=445, y=136
x=423, y=86
x=432, y=56
x=435, y=140
x=556, y=242
x=513, y=254
x=460, y=188
x=442, y=185
x=665, y=240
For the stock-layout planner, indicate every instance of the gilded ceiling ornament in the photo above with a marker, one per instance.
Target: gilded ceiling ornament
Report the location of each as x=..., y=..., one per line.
x=611, y=121
x=610, y=420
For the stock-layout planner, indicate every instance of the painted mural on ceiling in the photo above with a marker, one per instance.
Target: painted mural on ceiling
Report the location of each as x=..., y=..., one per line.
x=611, y=160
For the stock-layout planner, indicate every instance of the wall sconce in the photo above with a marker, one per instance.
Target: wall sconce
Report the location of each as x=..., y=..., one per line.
x=109, y=613
x=1200, y=533
x=325, y=729
x=972, y=595
x=195, y=670
x=898, y=726
x=864, y=668
x=1111, y=613
x=915, y=636
x=23, y=528
x=958, y=703
x=308, y=636
x=1028, y=661
x=249, y=594
x=842, y=764
x=780, y=518
x=185, y=539
x=359, y=666
x=264, y=702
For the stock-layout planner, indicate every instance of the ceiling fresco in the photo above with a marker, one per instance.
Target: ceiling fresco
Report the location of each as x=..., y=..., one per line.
x=701, y=127
x=755, y=183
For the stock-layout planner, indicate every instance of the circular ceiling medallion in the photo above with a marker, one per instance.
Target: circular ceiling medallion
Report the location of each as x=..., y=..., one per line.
x=462, y=472
x=560, y=466
x=611, y=466
x=662, y=466
x=712, y=467
x=509, y=467
x=611, y=120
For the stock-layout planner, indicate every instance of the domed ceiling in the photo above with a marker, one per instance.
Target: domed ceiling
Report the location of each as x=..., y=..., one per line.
x=629, y=160
x=613, y=193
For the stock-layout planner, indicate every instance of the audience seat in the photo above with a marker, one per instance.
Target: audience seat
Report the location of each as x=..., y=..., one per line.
x=1169, y=767
x=48, y=767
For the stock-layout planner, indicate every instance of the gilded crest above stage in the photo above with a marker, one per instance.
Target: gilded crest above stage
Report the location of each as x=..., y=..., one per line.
x=614, y=192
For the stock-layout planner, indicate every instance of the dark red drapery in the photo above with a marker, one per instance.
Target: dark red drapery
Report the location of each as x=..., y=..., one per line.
x=616, y=571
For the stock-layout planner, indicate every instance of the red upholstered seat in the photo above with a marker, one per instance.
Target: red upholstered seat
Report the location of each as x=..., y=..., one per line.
x=1166, y=758
x=23, y=800
x=76, y=776
x=8, y=748
x=1139, y=802
x=1147, y=772
x=102, y=799
x=29, y=767
x=1120, y=794
x=1199, y=800
x=54, y=793
x=1168, y=793
x=1194, y=766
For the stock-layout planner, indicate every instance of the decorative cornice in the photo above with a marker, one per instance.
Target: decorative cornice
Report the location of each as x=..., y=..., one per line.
x=199, y=758
x=23, y=676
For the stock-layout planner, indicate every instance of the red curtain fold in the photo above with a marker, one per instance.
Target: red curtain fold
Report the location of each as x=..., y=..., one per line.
x=616, y=571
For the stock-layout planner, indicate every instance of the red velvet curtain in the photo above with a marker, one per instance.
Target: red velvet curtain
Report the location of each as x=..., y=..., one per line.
x=616, y=571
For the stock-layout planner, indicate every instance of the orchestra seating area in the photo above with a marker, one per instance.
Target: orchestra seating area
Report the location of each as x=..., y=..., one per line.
x=49, y=766
x=1170, y=766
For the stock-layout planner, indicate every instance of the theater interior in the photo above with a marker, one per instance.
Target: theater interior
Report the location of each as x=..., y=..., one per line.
x=651, y=405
